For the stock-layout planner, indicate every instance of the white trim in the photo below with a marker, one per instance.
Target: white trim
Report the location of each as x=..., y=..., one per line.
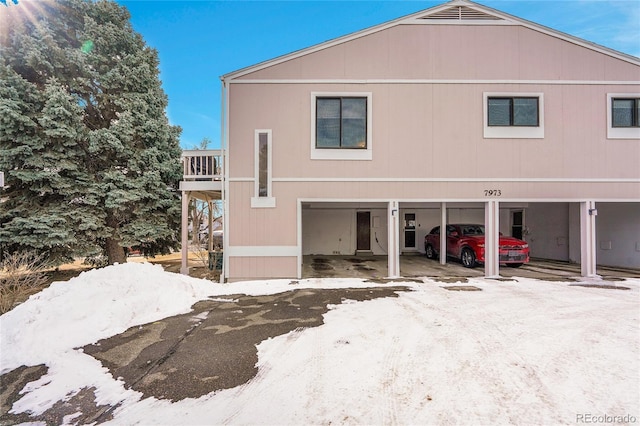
x=262, y=251
x=224, y=100
x=299, y=237
x=620, y=132
x=409, y=179
x=512, y=132
x=341, y=153
x=263, y=202
x=434, y=81
x=257, y=201
x=502, y=200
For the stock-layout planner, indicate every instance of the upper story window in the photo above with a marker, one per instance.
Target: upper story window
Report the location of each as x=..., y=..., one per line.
x=625, y=112
x=341, y=127
x=513, y=111
x=514, y=115
x=623, y=116
x=341, y=123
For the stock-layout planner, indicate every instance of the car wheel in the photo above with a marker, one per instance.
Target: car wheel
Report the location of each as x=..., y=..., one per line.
x=430, y=252
x=514, y=265
x=468, y=258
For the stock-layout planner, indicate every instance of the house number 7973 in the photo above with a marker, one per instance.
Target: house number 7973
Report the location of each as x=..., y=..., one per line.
x=492, y=192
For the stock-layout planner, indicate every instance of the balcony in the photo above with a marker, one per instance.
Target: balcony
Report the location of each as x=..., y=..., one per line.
x=202, y=170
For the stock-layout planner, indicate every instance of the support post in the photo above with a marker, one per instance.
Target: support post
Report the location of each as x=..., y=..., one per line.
x=210, y=224
x=393, y=213
x=184, y=268
x=443, y=234
x=491, y=239
x=588, y=215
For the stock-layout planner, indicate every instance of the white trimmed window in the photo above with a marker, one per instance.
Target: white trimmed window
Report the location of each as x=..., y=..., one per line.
x=513, y=115
x=262, y=176
x=341, y=126
x=623, y=116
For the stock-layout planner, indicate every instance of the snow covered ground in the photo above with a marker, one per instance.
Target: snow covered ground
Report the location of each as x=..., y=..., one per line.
x=517, y=352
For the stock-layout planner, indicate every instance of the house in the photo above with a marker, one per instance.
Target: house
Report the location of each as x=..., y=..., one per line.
x=458, y=113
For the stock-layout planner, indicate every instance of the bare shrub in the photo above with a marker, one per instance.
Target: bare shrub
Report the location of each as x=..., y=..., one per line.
x=21, y=274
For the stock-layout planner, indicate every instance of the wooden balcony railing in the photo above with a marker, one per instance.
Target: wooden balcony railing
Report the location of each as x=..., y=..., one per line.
x=202, y=164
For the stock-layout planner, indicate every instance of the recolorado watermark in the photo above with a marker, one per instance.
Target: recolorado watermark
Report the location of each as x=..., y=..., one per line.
x=588, y=418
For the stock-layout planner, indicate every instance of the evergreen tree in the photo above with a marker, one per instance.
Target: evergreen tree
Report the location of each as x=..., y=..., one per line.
x=91, y=163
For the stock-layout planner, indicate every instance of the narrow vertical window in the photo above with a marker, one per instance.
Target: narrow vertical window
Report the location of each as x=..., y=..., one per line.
x=263, y=165
x=263, y=187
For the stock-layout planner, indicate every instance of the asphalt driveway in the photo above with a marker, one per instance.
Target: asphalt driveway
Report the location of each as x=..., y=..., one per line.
x=190, y=355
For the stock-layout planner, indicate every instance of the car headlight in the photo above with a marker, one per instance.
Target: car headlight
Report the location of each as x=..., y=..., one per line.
x=525, y=246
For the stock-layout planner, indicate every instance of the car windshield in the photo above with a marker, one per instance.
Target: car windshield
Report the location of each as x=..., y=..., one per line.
x=472, y=230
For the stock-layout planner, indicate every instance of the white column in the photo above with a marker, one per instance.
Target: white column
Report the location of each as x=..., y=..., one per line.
x=299, y=238
x=443, y=233
x=184, y=268
x=491, y=239
x=393, y=213
x=588, y=215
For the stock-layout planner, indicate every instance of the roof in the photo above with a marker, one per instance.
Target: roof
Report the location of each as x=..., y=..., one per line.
x=455, y=12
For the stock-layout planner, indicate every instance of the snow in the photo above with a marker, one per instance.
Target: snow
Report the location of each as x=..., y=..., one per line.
x=523, y=352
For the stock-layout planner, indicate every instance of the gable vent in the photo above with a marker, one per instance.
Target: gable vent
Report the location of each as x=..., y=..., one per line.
x=461, y=13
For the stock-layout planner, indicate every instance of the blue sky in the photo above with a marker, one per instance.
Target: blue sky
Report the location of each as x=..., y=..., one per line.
x=198, y=41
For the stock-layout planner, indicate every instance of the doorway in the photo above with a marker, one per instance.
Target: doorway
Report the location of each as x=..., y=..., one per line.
x=410, y=231
x=517, y=224
x=363, y=230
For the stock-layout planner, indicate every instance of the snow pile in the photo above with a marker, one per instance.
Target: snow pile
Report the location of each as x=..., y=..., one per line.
x=95, y=305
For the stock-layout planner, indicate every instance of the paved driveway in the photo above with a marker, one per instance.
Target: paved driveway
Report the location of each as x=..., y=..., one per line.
x=375, y=267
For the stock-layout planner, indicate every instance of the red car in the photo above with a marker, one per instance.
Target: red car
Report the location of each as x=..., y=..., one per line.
x=466, y=242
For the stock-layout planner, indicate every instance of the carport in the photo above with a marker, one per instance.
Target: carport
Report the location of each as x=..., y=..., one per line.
x=394, y=230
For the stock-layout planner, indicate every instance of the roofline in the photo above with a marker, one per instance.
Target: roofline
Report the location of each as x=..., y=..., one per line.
x=407, y=20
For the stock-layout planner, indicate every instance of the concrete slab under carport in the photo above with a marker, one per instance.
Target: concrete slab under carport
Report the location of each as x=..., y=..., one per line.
x=414, y=266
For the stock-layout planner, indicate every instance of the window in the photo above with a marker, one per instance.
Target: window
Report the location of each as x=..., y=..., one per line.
x=341, y=123
x=623, y=115
x=513, y=112
x=625, y=112
x=263, y=165
x=341, y=127
x=514, y=115
x=262, y=190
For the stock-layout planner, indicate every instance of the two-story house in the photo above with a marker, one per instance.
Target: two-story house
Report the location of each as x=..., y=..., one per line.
x=458, y=113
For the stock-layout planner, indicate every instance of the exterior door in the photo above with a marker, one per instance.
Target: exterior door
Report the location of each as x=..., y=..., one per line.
x=410, y=231
x=363, y=229
x=517, y=224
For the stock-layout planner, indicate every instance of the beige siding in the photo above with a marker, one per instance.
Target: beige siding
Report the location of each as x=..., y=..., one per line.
x=241, y=268
x=436, y=131
x=454, y=52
